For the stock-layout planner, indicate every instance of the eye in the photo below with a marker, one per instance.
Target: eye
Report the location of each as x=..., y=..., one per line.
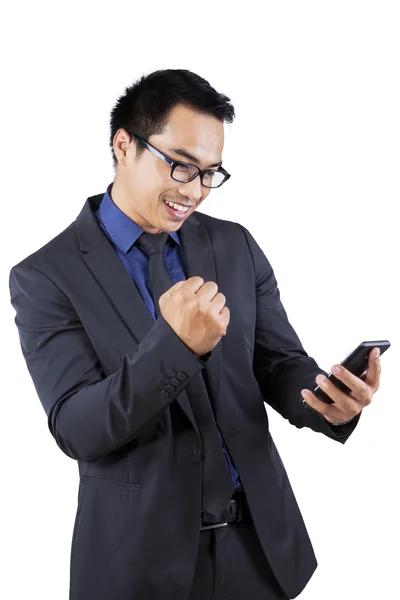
x=183, y=168
x=210, y=174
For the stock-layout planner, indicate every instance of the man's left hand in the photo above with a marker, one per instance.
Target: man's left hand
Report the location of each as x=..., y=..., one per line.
x=346, y=406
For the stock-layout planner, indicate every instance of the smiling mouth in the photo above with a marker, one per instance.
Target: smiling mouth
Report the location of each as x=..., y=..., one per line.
x=178, y=214
x=180, y=204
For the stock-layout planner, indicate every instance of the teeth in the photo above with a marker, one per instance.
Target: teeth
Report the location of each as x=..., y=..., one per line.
x=177, y=206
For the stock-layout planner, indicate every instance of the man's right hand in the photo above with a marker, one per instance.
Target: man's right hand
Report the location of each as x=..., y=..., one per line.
x=196, y=312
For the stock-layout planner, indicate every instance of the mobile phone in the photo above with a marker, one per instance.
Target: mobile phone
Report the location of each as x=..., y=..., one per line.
x=357, y=363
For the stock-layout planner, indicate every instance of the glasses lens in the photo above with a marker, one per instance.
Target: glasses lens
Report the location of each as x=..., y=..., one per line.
x=184, y=172
x=213, y=179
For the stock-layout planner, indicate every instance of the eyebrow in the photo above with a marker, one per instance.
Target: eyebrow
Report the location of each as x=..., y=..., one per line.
x=186, y=154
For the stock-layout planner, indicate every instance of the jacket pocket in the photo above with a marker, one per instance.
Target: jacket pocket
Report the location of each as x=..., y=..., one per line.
x=130, y=488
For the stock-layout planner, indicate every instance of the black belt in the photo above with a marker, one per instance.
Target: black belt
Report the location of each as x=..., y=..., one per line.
x=234, y=512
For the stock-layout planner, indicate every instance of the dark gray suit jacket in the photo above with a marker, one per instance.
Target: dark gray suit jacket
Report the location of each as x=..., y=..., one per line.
x=112, y=382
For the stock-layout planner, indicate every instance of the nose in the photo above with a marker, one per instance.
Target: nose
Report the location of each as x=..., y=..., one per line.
x=192, y=189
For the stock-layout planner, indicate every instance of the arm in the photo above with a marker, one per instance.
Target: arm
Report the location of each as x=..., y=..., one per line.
x=281, y=365
x=91, y=415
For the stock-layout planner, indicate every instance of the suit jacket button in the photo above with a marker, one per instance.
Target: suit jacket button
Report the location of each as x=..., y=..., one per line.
x=164, y=394
x=181, y=376
x=170, y=388
x=175, y=382
x=196, y=457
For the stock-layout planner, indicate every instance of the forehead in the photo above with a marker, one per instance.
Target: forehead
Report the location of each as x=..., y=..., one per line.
x=201, y=135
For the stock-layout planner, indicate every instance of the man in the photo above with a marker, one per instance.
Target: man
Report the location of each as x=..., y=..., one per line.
x=154, y=334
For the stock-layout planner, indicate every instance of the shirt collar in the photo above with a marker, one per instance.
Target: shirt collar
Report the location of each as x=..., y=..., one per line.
x=122, y=230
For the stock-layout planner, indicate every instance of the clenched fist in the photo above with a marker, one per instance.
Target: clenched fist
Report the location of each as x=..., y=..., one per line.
x=196, y=312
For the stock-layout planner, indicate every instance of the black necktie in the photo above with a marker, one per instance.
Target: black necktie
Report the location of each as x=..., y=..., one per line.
x=154, y=244
x=217, y=482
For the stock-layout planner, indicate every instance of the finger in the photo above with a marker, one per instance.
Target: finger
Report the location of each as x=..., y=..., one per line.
x=314, y=402
x=174, y=288
x=341, y=400
x=359, y=385
x=373, y=374
x=330, y=412
x=191, y=285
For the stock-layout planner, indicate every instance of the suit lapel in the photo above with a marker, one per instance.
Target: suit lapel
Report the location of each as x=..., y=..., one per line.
x=106, y=267
x=199, y=257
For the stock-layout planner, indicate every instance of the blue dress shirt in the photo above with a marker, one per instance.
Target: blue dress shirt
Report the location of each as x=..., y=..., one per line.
x=123, y=233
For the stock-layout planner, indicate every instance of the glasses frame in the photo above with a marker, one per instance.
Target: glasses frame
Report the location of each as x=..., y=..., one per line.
x=175, y=163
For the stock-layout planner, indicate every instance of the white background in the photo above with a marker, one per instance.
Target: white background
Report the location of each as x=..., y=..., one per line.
x=314, y=157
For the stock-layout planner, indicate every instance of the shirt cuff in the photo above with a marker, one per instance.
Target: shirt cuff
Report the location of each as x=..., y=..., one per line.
x=204, y=357
x=339, y=424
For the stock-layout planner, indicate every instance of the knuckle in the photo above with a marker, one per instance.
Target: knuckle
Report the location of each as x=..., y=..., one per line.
x=222, y=331
x=212, y=285
x=221, y=296
x=197, y=279
x=353, y=410
x=195, y=304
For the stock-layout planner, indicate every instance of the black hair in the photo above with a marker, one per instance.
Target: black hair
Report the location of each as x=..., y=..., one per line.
x=144, y=107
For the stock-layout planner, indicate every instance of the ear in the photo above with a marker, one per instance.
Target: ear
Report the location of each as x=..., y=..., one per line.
x=123, y=148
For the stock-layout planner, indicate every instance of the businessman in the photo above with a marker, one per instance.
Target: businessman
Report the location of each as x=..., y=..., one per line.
x=154, y=335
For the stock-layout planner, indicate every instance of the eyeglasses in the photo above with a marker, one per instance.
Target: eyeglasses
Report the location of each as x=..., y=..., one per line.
x=185, y=172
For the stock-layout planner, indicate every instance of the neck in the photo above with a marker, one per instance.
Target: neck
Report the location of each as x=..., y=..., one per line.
x=120, y=197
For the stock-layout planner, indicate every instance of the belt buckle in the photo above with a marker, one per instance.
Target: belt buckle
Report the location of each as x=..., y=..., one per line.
x=213, y=526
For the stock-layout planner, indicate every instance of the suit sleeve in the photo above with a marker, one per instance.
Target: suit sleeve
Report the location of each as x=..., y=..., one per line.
x=281, y=365
x=91, y=415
